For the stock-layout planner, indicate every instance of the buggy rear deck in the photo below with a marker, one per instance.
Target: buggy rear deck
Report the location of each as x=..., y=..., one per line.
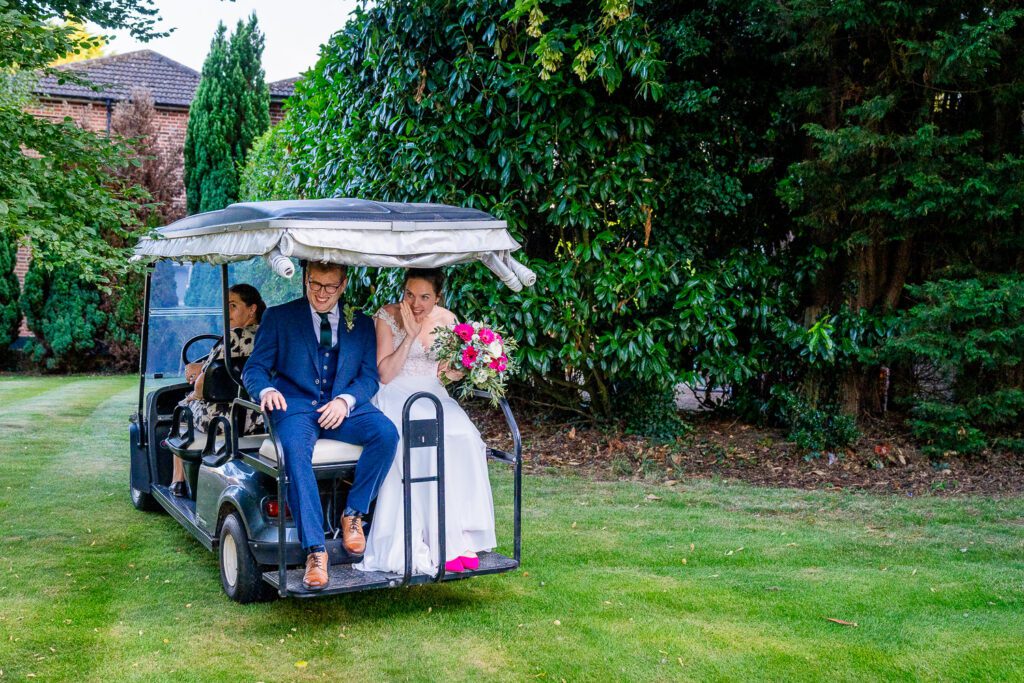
x=344, y=578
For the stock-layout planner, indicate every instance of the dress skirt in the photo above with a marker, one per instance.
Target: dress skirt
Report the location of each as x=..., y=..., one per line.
x=469, y=518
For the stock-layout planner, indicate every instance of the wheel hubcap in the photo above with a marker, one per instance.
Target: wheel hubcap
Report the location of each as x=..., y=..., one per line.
x=229, y=560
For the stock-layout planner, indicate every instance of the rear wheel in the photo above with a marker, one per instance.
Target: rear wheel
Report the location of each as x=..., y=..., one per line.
x=240, y=576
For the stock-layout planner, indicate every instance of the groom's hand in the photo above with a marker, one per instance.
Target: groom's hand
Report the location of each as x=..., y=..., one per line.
x=332, y=414
x=273, y=400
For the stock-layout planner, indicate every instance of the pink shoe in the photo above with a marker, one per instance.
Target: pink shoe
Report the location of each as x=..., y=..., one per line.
x=470, y=563
x=455, y=565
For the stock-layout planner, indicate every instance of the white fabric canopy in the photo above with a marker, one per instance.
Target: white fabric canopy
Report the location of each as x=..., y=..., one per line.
x=347, y=231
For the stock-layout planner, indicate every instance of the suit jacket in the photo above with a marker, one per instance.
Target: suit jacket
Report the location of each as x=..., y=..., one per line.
x=286, y=354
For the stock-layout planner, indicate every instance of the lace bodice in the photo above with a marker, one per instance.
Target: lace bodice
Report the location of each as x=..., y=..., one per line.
x=420, y=362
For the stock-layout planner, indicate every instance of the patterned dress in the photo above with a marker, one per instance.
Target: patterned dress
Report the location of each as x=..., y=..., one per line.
x=242, y=339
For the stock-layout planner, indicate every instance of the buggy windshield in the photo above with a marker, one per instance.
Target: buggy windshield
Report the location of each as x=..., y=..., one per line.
x=185, y=301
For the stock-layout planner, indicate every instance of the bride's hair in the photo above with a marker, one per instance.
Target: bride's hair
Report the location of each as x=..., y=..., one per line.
x=432, y=275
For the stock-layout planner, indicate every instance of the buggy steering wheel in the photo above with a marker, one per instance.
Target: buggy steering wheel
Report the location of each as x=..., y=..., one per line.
x=193, y=340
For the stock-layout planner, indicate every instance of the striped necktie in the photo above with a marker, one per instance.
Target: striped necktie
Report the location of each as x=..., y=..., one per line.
x=325, y=331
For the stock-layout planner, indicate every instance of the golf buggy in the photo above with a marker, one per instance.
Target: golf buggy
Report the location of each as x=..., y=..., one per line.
x=236, y=482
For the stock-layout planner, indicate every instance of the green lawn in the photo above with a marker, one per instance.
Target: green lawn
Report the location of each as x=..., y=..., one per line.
x=621, y=581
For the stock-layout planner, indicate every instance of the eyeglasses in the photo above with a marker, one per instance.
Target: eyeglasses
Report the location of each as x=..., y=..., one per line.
x=321, y=287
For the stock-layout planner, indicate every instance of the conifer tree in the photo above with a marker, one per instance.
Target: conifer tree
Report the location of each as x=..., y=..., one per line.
x=250, y=86
x=230, y=110
x=10, y=315
x=208, y=158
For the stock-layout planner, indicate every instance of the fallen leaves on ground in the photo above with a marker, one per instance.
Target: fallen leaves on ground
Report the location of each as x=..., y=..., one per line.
x=722, y=447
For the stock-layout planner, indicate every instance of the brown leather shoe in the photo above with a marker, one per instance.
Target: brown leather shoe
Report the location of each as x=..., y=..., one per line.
x=315, y=577
x=352, y=534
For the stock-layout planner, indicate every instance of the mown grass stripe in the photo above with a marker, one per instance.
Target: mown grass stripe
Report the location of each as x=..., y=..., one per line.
x=600, y=558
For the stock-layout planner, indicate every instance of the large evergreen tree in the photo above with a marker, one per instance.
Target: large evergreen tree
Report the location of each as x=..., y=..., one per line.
x=230, y=110
x=10, y=315
x=208, y=154
x=734, y=191
x=249, y=84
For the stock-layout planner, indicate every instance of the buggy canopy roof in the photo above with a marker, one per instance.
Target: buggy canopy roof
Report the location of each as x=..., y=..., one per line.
x=354, y=232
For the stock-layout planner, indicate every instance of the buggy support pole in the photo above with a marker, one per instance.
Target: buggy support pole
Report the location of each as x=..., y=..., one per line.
x=228, y=365
x=517, y=485
x=144, y=342
x=422, y=434
x=282, y=505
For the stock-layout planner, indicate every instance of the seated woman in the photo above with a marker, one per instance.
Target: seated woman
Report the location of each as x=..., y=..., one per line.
x=245, y=309
x=406, y=366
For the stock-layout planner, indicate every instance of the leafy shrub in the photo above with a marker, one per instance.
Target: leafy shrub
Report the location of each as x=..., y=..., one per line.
x=266, y=175
x=816, y=430
x=969, y=333
x=65, y=315
x=649, y=409
x=10, y=315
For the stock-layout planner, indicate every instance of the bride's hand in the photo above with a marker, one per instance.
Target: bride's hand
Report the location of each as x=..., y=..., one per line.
x=412, y=328
x=444, y=369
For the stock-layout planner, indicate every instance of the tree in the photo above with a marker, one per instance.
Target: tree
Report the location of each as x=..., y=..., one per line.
x=209, y=164
x=55, y=189
x=65, y=315
x=156, y=169
x=230, y=110
x=87, y=46
x=250, y=86
x=731, y=191
x=911, y=162
x=10, y=314
x=453, y=112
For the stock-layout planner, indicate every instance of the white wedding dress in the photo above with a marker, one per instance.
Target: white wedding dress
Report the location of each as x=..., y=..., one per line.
x=469, y=518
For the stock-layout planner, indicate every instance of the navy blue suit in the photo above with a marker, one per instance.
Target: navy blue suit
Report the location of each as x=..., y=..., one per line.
x=287, y=357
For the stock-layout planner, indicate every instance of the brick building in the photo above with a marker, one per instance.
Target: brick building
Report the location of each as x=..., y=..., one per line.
x=171, y=84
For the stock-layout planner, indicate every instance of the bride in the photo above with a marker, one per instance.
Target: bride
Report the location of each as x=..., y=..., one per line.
x=406, y=366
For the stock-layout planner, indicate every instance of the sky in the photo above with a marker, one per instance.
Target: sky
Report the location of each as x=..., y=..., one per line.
x=294, y=30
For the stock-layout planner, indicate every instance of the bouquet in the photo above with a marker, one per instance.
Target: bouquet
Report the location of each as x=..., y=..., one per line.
x=479, y=351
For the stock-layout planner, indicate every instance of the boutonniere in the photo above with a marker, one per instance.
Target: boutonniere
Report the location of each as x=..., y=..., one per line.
x=350, y=312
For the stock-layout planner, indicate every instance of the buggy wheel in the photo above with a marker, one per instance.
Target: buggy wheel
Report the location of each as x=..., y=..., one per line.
x=240, y=576
x=141, y=500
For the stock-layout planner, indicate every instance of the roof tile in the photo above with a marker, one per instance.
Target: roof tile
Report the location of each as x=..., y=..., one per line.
x=172, y=83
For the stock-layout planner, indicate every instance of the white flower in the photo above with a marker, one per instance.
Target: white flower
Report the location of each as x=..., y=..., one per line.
x=476, y=337
x=478, y=376
x=484, y=358
x=477, y=326
x=494, y=348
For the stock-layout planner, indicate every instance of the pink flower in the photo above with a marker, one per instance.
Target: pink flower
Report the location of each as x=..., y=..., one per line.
x=464, y=330
x=499, y=364
x=469, y=356
x=486, y=335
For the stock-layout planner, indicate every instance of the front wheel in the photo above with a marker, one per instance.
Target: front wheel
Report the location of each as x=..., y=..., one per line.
x=141, y=500
x=240, y=576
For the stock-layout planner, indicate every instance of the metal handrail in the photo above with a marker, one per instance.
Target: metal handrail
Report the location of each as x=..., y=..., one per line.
x=282, y=492
x=517, y=468
x=407, y=482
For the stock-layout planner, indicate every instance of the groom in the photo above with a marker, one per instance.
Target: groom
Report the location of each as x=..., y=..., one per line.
x=314, y=375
